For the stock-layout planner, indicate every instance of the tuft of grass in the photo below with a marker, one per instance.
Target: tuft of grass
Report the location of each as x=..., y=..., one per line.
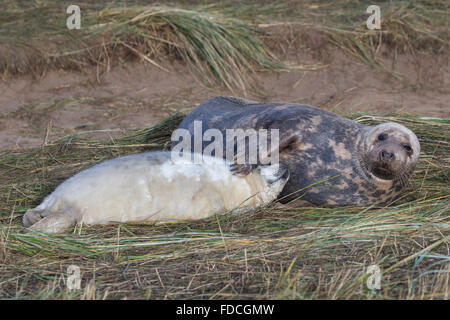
x=218, y=48
x=275, y=252
x=412, y=27
x=213, y=45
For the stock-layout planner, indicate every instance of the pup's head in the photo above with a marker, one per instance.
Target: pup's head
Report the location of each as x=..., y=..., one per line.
x=391, y=152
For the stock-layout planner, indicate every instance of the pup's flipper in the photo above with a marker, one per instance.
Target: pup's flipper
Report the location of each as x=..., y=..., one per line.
x=31, y=217
x=54, y=223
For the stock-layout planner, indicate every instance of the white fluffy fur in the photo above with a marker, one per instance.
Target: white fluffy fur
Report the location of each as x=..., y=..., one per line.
x=151, y=187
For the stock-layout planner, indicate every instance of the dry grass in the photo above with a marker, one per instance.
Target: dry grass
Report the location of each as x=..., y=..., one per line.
x=411, y=27
x=221, y=42
x=219, y=49
x=274, y=253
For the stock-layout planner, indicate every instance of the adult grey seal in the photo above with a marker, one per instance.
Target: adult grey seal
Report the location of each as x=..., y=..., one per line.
x=333, y=161
x=154, y=187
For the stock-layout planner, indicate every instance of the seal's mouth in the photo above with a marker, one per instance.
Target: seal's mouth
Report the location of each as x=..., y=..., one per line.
x=383, y=172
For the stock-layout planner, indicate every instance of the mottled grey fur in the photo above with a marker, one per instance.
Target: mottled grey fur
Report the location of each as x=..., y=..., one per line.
x=329, y=147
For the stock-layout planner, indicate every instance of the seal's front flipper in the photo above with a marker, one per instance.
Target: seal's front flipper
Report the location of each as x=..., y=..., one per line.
x=31, y=217
x=241, y=165
x=54, y=223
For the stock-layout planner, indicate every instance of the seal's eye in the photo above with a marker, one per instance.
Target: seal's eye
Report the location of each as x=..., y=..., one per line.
x=382, y=137
x=407, y=148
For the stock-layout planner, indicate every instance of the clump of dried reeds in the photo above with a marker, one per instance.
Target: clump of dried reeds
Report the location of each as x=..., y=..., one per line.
x=219, y=49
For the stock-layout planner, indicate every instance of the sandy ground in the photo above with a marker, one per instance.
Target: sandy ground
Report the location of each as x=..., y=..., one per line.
x=138, y=95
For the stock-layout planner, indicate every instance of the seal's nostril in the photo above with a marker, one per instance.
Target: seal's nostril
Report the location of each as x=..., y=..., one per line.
x=387, y=155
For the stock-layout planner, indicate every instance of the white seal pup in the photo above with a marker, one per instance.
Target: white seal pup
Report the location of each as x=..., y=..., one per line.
x=153, y=187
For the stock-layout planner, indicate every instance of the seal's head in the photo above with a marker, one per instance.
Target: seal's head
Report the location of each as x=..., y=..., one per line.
x=273, y=178
x=391, y=152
